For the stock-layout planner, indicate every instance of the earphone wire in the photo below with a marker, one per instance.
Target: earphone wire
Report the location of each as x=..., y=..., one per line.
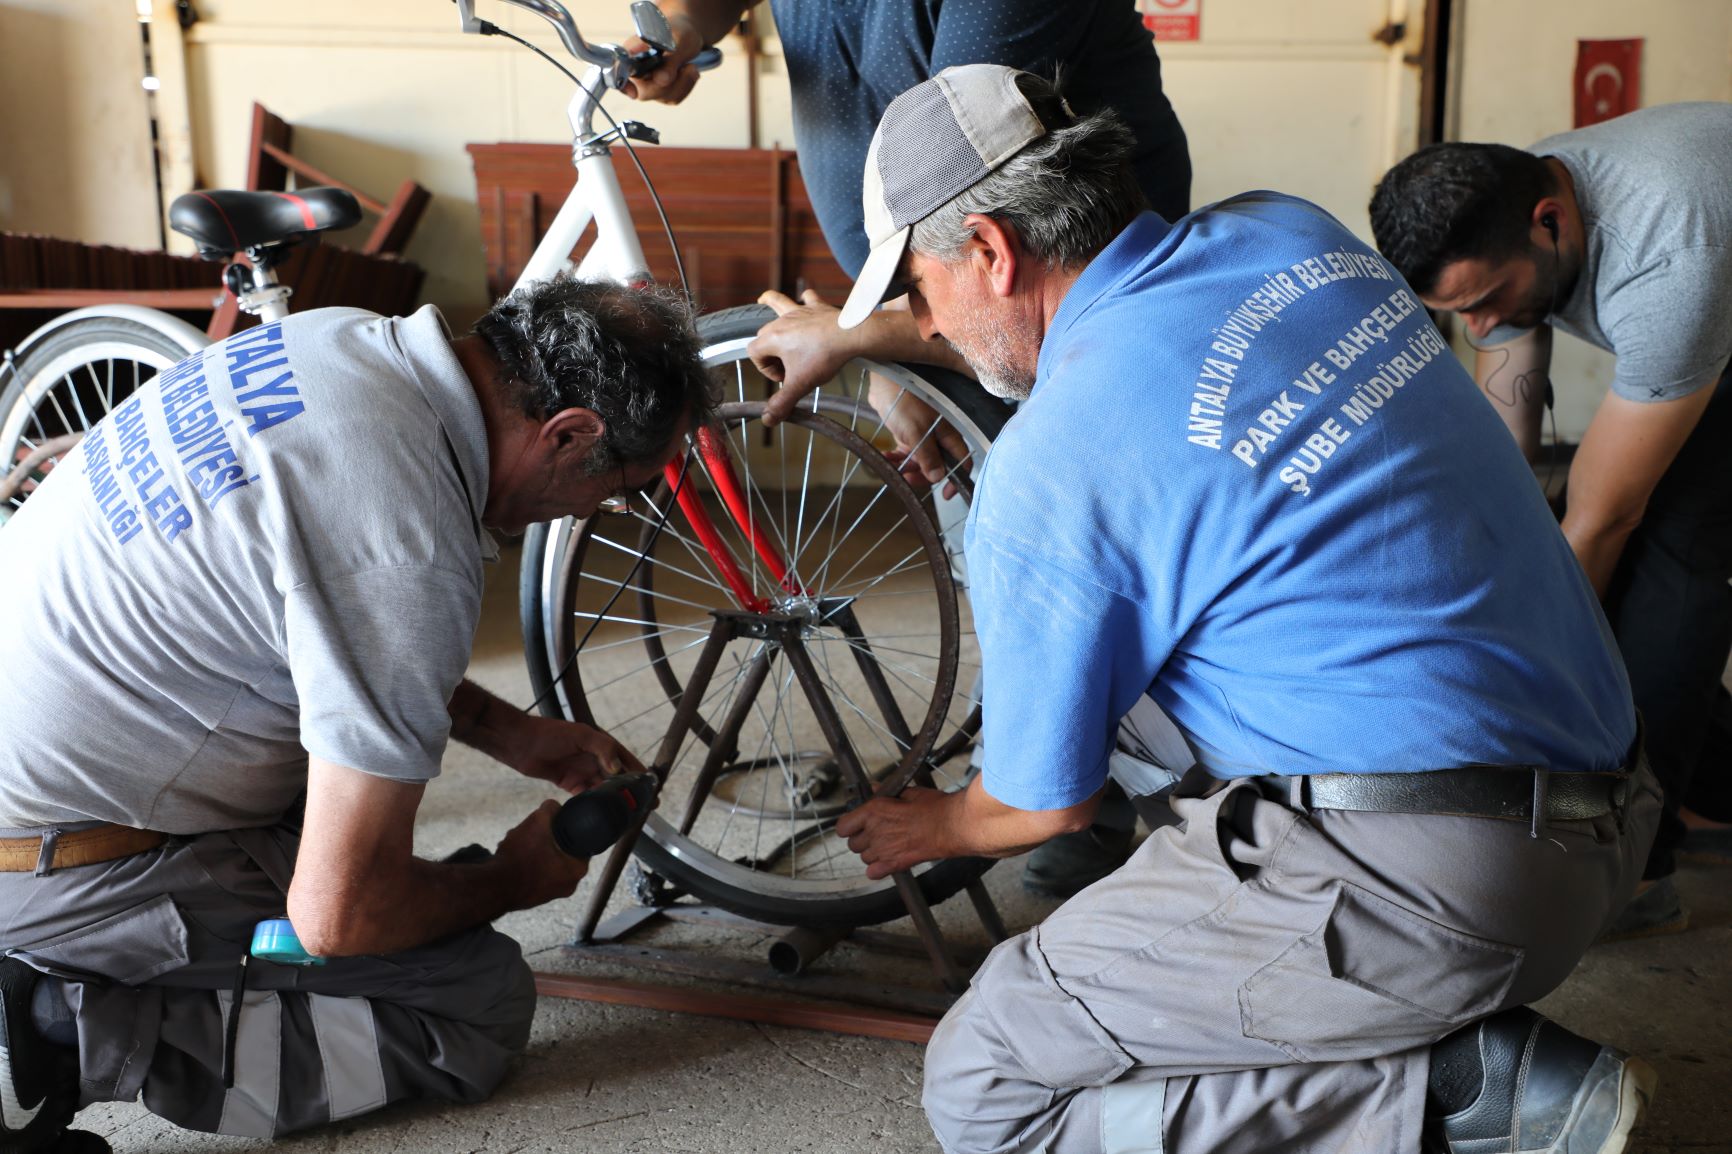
x=643, y=552
x=1556, y=451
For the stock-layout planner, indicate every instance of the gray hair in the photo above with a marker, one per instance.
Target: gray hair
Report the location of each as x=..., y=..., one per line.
x=630, y=355
x=1067, y=194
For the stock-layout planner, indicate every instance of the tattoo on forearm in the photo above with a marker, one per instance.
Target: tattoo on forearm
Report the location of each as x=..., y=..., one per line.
x=1510, y=388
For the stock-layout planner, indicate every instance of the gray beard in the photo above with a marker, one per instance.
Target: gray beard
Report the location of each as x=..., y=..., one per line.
x=991, y=351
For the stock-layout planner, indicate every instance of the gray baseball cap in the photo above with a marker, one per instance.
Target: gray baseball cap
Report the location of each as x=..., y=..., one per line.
x=936, y=140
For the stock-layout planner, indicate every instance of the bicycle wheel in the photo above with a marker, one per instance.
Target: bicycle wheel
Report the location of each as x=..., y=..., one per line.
x=64, y=384
x=881, y=608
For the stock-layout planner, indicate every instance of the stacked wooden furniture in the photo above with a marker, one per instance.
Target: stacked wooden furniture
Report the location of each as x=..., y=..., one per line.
x=270, y=164
x=42, y=276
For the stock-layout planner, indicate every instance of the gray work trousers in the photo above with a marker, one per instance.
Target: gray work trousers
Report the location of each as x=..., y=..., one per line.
x=151, y=946
x=1261, y=979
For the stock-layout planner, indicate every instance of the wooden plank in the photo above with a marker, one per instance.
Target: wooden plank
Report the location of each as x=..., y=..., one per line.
x=264, y=172
x=48, y=298
x=859, y=1021
x=318, y=175
x=391, y=235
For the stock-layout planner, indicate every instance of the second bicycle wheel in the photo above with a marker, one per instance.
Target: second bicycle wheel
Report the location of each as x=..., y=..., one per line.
x=821, y=533
x=72, y=378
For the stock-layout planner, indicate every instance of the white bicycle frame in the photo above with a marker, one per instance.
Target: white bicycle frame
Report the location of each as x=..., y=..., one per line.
x=615, y=254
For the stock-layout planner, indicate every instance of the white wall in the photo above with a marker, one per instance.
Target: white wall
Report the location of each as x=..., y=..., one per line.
x=75, y=156
x=1516, y=72
x=1296, y=97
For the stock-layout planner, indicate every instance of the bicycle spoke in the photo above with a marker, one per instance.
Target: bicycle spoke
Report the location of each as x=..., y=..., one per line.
x=848, y=475
x=824, y=568
x=660, y=596
x=654, y=560
x=662, y=523
x=769, y=517
x=641, y=669
x=664, y=703
x=875, y=640
x=873, y=653
x=872, y=548
x=635, y=621
x=65, y=423
x=640, y=638
x=72, y=387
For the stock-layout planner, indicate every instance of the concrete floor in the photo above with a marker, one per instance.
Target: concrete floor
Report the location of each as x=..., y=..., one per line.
x=610, y=1078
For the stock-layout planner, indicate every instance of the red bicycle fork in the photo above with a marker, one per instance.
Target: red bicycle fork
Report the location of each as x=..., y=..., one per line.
x=718, y=464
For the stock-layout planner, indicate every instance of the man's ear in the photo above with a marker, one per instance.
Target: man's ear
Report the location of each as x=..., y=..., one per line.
x=571, y=431
x=1546, y=222
x=996, y=250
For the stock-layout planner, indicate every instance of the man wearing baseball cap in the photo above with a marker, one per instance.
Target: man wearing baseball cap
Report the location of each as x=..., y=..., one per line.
x=1249, y=481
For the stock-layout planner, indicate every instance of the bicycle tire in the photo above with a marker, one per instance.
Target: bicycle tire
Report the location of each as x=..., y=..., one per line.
x=74, y=377
x=664, y=849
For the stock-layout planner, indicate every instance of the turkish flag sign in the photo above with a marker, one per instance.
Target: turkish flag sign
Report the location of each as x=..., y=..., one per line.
x=1608, y=79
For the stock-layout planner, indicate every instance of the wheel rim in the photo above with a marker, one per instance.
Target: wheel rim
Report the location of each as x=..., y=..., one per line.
x=70, y=393
x=849, y=543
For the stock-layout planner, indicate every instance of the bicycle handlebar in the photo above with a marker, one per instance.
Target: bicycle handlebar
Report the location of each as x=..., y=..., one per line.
x=613, y=60
x=556, y=14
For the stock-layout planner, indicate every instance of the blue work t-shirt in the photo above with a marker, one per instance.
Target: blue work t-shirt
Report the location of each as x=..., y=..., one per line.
x=848, y=59
x=1253, y=483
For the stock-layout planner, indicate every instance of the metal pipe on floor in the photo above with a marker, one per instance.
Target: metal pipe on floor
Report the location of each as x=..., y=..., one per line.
x=797, y=949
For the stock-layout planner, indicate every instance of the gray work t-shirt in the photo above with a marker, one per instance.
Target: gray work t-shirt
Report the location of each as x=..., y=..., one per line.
x=273, y=549
x=1655, y=191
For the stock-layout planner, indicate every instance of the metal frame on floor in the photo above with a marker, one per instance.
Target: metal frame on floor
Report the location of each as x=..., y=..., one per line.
x=904, y=1011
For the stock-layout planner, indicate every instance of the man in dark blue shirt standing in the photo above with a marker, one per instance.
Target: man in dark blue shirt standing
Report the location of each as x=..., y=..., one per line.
x=848, y=59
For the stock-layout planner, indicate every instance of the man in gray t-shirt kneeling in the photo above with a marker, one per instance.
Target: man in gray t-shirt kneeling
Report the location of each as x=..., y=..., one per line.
x=1620, y=234
x=258, y=578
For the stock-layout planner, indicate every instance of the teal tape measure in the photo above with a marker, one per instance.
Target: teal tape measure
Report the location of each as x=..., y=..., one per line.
x=275, y=940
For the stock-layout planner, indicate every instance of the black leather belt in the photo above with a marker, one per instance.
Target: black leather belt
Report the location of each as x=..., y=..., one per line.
x=1508, y=793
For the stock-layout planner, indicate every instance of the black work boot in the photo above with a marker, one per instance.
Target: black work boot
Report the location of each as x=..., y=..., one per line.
x=1071, y=862
x=38, y=1080
x=1517, y=1083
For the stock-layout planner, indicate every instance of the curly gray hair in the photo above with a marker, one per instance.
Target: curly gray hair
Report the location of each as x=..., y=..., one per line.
x=630, y=355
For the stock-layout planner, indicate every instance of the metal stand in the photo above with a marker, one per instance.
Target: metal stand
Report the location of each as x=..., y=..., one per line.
x=796, y=948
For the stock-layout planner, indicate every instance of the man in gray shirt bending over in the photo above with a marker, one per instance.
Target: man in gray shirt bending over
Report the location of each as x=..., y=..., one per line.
x=1620, y=234
x=261, y=576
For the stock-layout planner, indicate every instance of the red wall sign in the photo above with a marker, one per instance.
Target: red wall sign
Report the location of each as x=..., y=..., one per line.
x=1172, y=19
x=1608, y=79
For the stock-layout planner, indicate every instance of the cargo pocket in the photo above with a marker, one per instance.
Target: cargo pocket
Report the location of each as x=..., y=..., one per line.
x=1047, y=1030
x=1373, y=979
x=130, y=947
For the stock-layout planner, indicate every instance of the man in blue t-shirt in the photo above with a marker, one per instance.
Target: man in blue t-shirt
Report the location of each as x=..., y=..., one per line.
x=1249, y=481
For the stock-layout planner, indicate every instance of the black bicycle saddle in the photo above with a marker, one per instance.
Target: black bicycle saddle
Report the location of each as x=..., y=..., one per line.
x=224, y=221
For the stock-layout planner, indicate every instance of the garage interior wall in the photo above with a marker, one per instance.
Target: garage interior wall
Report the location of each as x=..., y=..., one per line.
x=1514, y=84
x=75, y=153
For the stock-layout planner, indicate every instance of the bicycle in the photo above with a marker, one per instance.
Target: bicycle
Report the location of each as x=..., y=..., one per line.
x=754, y=551
x=90, y=360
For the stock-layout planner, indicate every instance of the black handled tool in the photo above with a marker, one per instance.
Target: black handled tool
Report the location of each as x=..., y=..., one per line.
x=595, y=818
